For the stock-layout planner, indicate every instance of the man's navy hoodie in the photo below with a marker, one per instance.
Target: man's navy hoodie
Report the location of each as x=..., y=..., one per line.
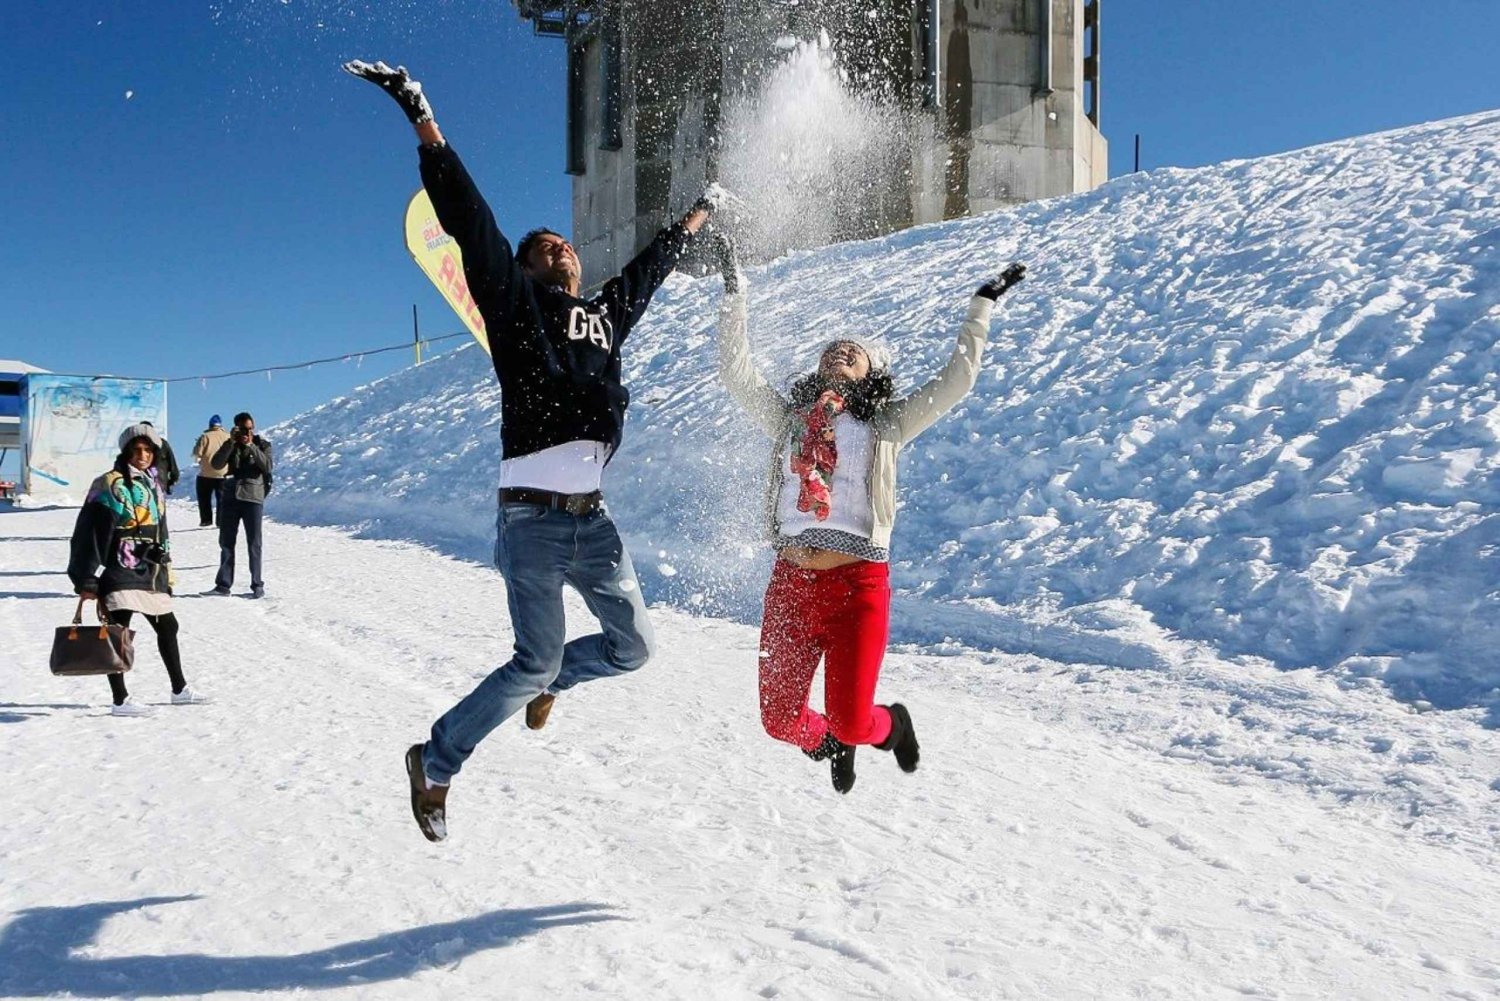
x=557, y=356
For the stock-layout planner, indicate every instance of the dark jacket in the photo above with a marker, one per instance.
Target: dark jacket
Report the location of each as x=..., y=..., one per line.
x=166, y=466
x=122, y=528
x=557, y=356
x=249, y=468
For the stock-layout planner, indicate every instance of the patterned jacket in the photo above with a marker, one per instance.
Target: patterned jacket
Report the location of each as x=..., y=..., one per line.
x=120, y=541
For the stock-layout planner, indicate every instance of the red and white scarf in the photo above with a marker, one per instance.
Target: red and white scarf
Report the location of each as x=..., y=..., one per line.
x=817, y=454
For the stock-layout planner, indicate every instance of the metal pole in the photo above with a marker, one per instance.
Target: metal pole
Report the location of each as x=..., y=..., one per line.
x=934, y=68
x=416, y=333
x=1098, y=54
x=1137, y=151
x=1045, y=84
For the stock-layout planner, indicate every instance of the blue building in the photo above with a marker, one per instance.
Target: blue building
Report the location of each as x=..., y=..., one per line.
x=11, y=374
x=68, y=426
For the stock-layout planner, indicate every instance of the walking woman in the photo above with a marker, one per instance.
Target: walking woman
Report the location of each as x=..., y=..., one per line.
x=831, y=502
x=121, y=556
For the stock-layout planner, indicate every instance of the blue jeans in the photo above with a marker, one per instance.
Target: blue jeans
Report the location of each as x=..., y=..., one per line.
x=538, y=550
x=233, y=513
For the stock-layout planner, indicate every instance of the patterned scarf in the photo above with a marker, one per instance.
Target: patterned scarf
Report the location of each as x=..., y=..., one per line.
x=816, y=455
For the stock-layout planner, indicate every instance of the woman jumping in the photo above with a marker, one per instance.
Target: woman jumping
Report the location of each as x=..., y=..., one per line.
x=831, y=502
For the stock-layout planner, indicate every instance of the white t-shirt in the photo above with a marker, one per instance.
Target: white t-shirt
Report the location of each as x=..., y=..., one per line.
x=572, y=468
x=850, y=508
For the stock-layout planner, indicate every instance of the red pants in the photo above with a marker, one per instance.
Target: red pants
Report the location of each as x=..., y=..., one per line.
x=841, y=616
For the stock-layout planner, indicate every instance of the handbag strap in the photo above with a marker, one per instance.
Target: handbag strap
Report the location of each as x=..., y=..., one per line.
x=78, y=619
x=103, y=619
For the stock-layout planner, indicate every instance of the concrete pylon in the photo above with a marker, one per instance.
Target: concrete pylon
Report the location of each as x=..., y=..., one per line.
x=1002, y=97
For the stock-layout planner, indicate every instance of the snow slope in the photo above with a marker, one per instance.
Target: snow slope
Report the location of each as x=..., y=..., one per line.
x=1072, y=833
x=1250, y=407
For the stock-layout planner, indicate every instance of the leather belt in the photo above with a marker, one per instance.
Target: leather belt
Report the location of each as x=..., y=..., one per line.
x=574, y=504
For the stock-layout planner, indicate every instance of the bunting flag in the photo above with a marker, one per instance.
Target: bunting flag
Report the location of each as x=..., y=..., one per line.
x=437, y=254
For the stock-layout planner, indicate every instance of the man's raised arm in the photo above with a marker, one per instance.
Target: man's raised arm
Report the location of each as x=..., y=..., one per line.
x=633, y=288
x=489, y=263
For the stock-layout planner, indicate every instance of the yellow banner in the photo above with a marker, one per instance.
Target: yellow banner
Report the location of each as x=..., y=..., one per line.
x=438, y=256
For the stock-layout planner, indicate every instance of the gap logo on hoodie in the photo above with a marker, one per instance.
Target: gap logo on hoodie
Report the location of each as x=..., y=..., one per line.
x=584, y=323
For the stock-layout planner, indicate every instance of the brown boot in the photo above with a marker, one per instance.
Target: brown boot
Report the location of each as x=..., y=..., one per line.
x=538, y=709
x=429, y=803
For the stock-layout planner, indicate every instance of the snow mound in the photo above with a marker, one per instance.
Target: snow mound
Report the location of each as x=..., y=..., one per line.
x=1251, y=406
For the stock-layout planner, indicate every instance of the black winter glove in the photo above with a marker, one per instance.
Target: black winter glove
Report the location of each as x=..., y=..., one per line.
x=729, y=265
x=998, y=285
x=396, y=82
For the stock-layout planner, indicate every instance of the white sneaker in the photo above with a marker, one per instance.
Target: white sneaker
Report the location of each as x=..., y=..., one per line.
x=188, y=697
x=130, y=708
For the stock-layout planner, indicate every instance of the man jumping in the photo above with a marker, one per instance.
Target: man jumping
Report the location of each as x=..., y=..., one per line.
x=562, y=409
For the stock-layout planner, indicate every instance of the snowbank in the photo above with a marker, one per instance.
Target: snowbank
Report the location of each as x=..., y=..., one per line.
x=1251, y=406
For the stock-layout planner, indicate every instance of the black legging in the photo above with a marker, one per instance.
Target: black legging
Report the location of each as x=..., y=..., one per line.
x=166, y=642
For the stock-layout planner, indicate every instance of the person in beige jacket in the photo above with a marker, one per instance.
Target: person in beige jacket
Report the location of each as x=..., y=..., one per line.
x=210, y=480
x=830, y=508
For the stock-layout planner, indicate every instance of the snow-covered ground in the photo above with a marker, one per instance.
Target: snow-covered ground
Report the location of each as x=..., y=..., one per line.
x=1251, y=407
x=1227, y=485
x=1072, y=833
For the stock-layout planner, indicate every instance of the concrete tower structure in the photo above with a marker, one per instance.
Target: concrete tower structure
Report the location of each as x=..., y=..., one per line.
x=1005, y=94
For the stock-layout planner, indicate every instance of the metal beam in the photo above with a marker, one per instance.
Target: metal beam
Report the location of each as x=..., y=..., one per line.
x=1044, y=78
x=556, y=18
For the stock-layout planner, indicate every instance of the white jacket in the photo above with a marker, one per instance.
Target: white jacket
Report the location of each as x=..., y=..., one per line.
x=895, y=424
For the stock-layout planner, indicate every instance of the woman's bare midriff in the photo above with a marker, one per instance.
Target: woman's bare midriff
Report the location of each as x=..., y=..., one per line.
x=813, y=558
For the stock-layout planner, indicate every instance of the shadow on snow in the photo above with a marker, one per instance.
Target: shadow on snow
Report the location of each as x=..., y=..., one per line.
x=38, y=953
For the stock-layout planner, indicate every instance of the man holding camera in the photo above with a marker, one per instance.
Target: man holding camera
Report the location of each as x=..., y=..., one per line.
x=557, y=356
x=246, y=459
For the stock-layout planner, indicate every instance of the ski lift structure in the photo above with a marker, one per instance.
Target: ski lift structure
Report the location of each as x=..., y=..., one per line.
x=1009, y=89
x=556, y=18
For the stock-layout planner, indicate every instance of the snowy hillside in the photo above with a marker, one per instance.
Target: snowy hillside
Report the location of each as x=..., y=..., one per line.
x=1250, y=409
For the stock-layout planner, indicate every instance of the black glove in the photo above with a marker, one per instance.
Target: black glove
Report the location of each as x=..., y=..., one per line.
x=397, y=83
x=998, y=285
x=729, y=265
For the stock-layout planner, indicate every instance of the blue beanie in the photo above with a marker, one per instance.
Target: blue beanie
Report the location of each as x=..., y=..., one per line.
x=215, y=421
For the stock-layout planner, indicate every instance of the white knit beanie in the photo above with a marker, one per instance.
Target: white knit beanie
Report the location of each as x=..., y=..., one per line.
x=135, y=431
x=878, y=353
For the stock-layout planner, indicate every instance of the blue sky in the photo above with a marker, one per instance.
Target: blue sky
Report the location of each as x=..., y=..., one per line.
x=242, y=206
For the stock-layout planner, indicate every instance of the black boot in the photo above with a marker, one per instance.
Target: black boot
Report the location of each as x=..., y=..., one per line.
x=903, y=738
x=840, y=757
x=825, y=750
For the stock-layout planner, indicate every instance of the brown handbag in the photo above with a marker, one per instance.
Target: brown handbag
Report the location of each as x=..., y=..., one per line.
x=78, y=649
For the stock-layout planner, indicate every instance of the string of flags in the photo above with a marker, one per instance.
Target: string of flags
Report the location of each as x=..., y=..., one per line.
x=357, y=357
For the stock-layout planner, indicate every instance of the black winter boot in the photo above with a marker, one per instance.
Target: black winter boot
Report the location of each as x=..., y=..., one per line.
x=841, y=765
x=840, y=757
x=825, y=750
x=903, y=738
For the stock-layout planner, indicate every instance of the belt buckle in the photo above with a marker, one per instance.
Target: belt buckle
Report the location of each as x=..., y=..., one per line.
x=578, y=504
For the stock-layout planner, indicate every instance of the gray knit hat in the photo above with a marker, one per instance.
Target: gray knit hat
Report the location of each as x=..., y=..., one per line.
x=135, y=431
